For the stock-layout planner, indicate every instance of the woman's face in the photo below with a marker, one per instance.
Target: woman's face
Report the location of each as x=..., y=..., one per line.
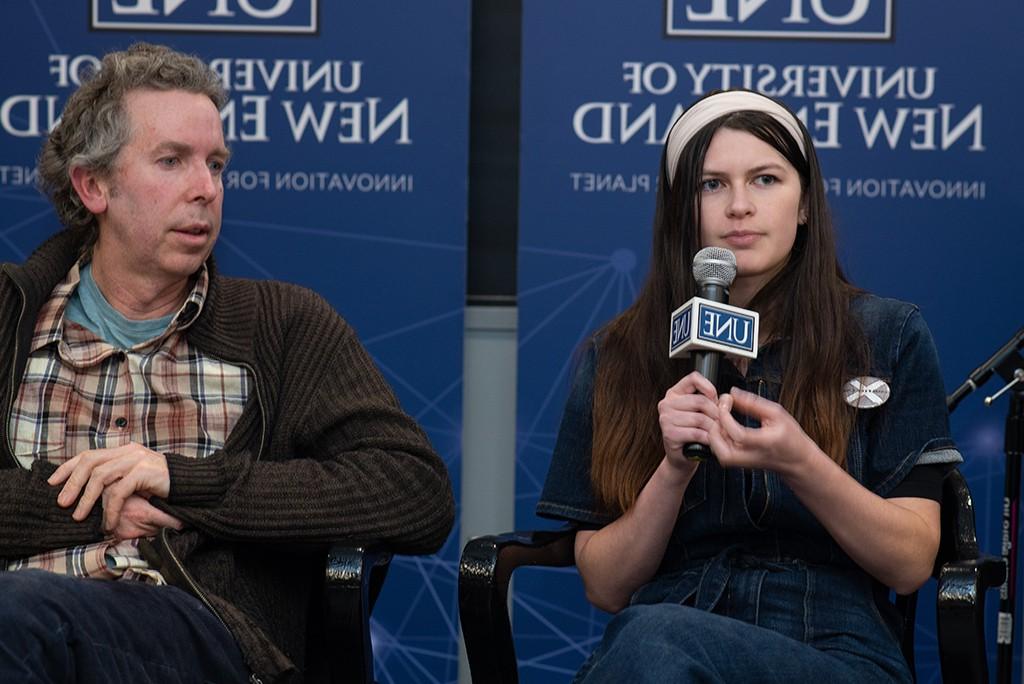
x=750, y=204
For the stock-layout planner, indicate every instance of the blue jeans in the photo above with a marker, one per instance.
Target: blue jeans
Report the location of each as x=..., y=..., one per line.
x=61, y=629
x=739, y=618
x=669, y=643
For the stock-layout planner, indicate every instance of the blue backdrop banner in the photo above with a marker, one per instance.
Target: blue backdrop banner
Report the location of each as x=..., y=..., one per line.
x=919, y=139
x=348, y=126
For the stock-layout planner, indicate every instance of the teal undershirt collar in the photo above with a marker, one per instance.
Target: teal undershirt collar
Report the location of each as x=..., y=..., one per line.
x=89, y=308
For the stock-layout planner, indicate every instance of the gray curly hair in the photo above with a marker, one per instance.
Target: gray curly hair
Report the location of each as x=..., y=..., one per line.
x=94, y=125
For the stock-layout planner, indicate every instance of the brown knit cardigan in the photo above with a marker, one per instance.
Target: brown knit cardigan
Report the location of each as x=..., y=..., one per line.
x=321, y=453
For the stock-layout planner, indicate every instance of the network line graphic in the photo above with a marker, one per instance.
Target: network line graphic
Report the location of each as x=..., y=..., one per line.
x=564, y=297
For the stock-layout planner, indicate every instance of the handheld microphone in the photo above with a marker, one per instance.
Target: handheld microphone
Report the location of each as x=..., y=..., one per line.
x=714, y=269
x=982, y=373
x=706, y=326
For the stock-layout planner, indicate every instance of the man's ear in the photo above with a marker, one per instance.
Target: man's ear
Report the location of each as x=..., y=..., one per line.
x=93, y=190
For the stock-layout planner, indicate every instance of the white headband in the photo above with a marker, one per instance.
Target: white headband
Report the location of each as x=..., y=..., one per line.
x=710, y=108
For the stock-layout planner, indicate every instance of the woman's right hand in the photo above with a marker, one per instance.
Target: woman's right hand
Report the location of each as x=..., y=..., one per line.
x=619, y=558
x=687, y=414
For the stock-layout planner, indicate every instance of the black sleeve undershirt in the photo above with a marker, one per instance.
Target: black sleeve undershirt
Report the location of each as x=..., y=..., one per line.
x=923, y=482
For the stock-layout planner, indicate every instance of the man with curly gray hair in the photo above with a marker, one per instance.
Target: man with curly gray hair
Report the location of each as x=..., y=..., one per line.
x=94, y=125
x=190, y=438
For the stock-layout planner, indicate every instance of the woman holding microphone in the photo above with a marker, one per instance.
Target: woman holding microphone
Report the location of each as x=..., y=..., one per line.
x=772, y=561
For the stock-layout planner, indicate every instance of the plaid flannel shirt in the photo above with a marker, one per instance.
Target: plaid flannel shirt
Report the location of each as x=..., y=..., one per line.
x=79, y=392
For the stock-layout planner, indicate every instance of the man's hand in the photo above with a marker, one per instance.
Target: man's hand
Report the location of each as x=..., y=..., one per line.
x=139, y=518
x=115, y=474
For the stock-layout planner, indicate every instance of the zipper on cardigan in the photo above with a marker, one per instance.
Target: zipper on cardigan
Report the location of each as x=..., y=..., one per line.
x=193, y=587
x=259, y=402
x=192, y=584
x=14, y=363
x=198, y=593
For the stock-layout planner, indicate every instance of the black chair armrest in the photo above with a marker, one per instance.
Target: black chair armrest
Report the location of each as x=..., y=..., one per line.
x=960, y=616
x=484, y=573
x=353, y=577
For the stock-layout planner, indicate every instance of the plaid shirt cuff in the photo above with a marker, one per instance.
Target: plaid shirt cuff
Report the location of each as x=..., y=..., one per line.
x=79, y=561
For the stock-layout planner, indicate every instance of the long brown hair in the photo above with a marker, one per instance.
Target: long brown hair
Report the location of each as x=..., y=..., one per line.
x=805, y=307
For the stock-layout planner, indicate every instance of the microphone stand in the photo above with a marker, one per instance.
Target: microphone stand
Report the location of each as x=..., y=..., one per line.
x=1014, y=447
x=1010, y=366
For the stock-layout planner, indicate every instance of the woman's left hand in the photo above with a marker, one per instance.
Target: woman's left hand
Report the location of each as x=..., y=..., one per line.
x=895, y=540
x=780, y=444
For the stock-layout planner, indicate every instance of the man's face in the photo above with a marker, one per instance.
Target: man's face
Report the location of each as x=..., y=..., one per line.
x=164, y=194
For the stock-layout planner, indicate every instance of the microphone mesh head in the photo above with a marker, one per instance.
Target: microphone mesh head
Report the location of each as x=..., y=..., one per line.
x=714, y=265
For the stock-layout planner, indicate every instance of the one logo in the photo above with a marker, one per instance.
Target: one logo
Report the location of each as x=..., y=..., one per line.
x=704, y=324
x=839, y=19
x=680, y=329
x=260, y=16
x=725, y=326
x=866, y=392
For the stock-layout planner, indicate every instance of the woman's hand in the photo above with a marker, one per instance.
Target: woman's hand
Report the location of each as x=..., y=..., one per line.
x=780, y=444
x=688, y=413
x=895, y=540
x=620, y=557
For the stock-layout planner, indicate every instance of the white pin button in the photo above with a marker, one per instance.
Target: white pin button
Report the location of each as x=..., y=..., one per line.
x=866, y=392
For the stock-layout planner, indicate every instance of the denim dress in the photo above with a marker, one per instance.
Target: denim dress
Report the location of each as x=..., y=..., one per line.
x=745, y=548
